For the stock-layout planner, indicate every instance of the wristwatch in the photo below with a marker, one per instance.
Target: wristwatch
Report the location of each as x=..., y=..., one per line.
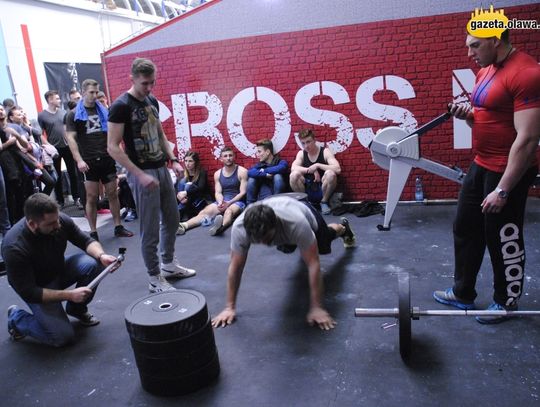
x=502, y=193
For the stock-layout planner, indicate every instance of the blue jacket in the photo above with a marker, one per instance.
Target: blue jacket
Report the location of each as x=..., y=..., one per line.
x=277, y=166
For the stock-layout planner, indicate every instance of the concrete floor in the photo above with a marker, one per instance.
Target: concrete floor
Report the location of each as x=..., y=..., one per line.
x=270, y=357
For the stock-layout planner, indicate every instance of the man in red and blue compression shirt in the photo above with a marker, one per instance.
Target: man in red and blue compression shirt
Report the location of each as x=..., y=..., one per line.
x=505, y=122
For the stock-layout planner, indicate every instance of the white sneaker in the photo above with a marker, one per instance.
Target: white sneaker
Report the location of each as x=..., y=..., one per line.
x=158, y=284
x=174, y=269
x=181, y=229
x=216, y=228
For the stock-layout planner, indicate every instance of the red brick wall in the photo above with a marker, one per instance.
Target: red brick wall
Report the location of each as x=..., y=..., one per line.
x=424, y=51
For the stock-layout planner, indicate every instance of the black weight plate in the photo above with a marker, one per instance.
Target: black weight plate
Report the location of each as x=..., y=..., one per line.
x=176, y=386
x=404, y=292
x=177, y=365
x=166, y=316
x=168, y=348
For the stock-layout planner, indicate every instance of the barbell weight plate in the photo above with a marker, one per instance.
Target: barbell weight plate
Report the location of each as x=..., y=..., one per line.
x=184, y=344
x=404, y=319
x=166, y=316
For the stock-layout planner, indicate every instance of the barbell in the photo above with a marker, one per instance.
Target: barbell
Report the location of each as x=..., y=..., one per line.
x=109, y=269
x=405, y=313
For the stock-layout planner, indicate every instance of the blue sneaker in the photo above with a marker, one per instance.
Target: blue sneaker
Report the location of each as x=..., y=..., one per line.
x=325, y=208
x=447, y=297
x=497, y=319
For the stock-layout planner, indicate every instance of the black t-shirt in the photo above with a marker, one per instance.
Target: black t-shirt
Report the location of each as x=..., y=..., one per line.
x=34, y=261
x=141, y=131
x=53, y=124
x=91, y=139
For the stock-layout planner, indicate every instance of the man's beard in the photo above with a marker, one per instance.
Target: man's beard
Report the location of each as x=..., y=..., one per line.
x=52, y=233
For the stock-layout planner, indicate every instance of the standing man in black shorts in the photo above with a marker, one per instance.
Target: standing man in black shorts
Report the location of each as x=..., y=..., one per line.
x=86, y=133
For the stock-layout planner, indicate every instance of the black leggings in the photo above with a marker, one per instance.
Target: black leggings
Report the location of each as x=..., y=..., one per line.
x=71, y=167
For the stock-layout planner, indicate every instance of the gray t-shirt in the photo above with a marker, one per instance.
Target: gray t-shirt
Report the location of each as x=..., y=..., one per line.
x=295, y=225
x=53, y=124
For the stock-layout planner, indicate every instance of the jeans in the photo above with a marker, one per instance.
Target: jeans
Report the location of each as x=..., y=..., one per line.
x=260, y=188
x=48, y=322
x=502, y=233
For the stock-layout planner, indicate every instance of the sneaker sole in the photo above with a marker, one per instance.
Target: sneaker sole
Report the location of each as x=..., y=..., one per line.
x=456, y=304
x=494, y=320
x=154, y=290
x=166, y=274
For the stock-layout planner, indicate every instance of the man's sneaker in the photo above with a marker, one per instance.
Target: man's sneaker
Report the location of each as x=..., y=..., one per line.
x=325, y=209
x=217, y=227
x=158, y=284
x=121, y=231
x=94, y=236
x=12, y=330
x=499, y=318
x=447, y=297
x=131, y=215
x=349, y=238
x=173, y=269
x=181, y=229
x=85, y=319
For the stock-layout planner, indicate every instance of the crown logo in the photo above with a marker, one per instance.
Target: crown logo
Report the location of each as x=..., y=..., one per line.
x=486, y=24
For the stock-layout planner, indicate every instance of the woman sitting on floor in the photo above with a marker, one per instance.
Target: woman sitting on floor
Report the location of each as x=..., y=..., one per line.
x=192, y=188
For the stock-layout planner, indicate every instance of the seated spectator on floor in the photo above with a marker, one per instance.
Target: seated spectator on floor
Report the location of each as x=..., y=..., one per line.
x=230, y=185
x=125, y=196
x=267, y=177
x=314, y=171
x=192, y=189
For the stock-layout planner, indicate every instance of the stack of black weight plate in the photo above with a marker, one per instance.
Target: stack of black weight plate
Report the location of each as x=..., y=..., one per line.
x=173, y=342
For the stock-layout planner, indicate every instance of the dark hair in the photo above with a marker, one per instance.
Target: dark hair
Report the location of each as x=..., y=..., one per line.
x=305, y=134
x=259, y=220
x=8, y=103
x=11, y=111
x=88, y=82
x=50, y=93
x=142, y=66
x=197, y=170
x=38, y=205
x=505, y=36
x=266, y=144
x=71, y=104
x=225, y=149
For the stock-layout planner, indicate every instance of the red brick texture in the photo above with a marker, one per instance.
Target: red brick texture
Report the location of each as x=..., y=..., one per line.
x=424, y=51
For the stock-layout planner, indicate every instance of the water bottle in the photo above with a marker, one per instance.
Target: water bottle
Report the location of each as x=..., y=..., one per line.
x=418, y=192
